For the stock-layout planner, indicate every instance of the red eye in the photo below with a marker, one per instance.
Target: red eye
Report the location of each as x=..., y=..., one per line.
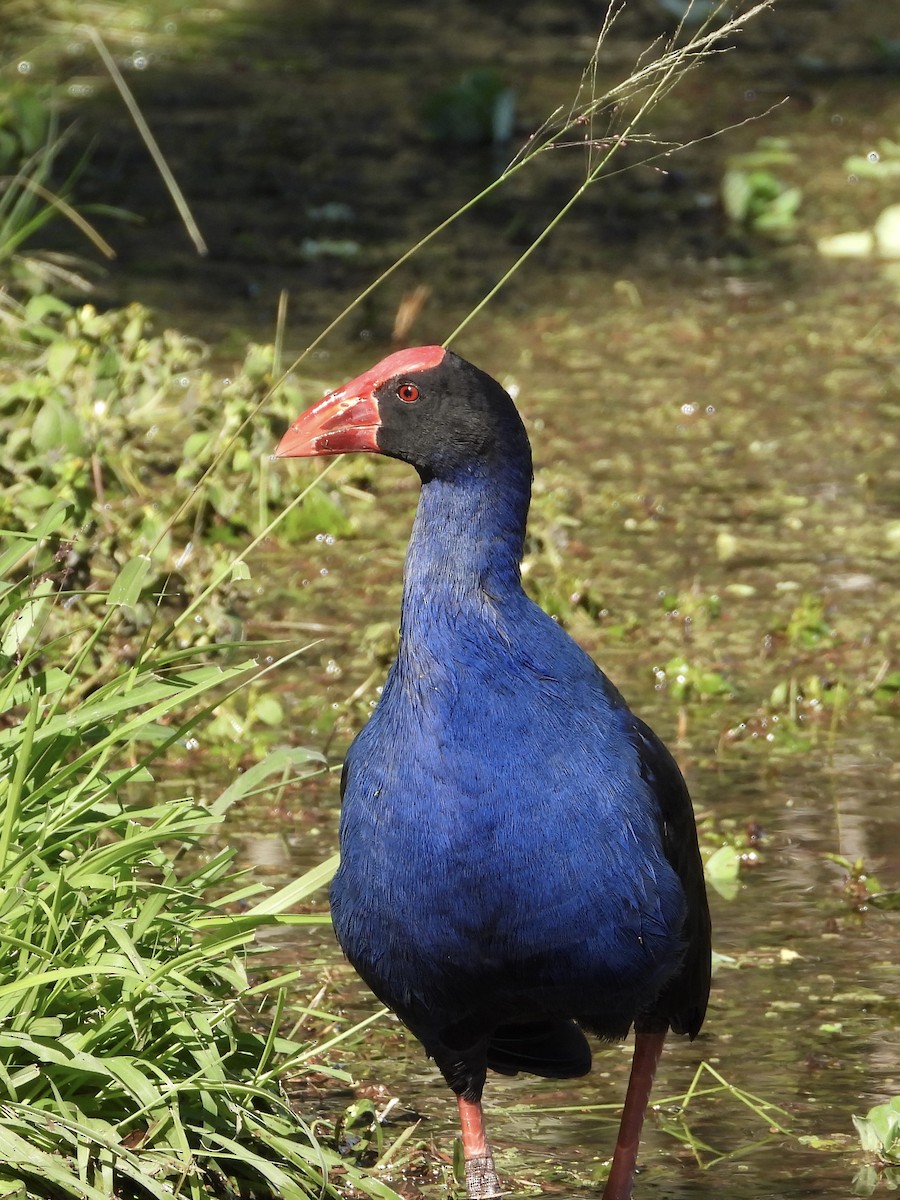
x=408, y=393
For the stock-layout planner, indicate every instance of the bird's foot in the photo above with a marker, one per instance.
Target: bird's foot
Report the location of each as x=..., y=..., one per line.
x=481, y=1179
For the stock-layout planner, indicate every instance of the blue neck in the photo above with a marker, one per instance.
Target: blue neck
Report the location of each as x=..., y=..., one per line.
x=463, y=560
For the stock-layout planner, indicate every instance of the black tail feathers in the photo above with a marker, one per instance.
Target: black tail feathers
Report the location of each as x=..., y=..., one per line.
x=554, y=1049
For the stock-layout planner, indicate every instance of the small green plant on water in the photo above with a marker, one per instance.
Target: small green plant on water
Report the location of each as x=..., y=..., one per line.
x=879, y=1136
x=860, y=886
x=687, y=683
x=797, y=713
x=565, y=595
x=359, y=1132
x=477, y=110
x=85, y=425
x=805, y=699
x=755, y=198
x=808, y=627
x=802, y=704
x=693, y=605
x=880, y=163
x=729, y=847
x=246, y=724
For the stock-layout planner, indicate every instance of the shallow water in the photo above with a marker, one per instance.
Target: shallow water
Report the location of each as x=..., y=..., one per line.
x=715, y=427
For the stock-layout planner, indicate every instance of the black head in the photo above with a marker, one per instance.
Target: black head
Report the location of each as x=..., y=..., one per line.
x=426, y=406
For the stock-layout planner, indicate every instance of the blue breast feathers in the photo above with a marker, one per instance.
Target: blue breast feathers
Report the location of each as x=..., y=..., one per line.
x=497, y=833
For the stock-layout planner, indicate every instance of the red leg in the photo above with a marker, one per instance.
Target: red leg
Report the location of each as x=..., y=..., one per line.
x=647, y=1049
x=481, y=1178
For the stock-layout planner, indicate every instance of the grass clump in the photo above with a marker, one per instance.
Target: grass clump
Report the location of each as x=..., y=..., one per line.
x=129, y=1059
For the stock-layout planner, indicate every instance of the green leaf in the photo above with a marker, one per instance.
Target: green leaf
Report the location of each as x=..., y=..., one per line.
x=21, y=626
x=722, y=871
x=129, y=583
x=61, y=358
x=300, y=889
x=55, y=429
x=737, y=192
x=45, y=305
x=280, y=762
x=45, y=683
x=879, y=1130
x=269, y=711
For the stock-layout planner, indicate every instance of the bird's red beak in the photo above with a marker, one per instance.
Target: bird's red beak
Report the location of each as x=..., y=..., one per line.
x=348, y=419
x=345, y=420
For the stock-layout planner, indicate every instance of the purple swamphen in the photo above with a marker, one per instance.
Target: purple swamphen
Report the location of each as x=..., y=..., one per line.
x=519, y=857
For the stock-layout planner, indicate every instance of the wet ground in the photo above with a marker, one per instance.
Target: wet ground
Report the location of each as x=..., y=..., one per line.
x=716, y=422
